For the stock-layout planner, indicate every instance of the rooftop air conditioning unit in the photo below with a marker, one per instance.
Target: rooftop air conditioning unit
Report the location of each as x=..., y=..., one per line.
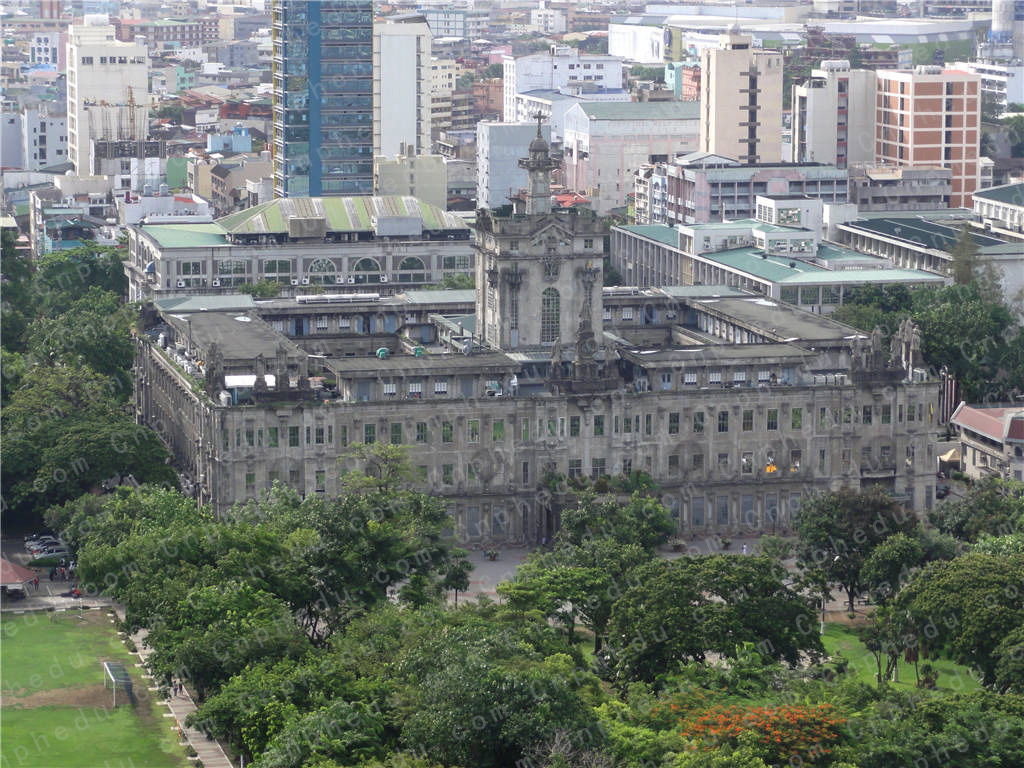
x=295, y=281
x=181, y=283
x=383, y=278
x=352, y=280
x=305, y=281
x=339, y=280
x=216, y=283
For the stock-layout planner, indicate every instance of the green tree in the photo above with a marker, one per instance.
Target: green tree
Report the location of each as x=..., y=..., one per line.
x=680, y=611
x=966, y=605
x=838, y=531
x=889, y=565
x=65, y=432
x=459, y=282
x=492, y=71
x=992, y=506
x=965, y=256
x=642, y=521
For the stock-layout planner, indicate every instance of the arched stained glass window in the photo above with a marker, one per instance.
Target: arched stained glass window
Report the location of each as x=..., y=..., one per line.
x=322, y=272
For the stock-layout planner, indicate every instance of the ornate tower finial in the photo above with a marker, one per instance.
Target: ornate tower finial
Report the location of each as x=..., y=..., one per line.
x=538, y=165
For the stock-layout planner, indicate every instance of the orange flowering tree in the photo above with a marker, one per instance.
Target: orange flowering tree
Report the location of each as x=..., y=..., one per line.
x=806, y=735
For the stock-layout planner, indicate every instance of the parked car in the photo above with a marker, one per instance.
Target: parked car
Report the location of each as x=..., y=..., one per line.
x=942, y=492
x=44, y=546
x=36, y=536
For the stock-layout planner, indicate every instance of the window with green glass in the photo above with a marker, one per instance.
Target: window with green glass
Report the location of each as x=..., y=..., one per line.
x=498, y=430
x=574, y=426
x=473, y=430
x=748, y=421
x=272, y=437
x=773, y=419
x=526, y=430
x=723, y=421
x=293, y=437
x=698, y=422
x=796, y=418
x=369, y=433
x=421, y=432
x=447, y=432
x=396, y=434
x=673, y=423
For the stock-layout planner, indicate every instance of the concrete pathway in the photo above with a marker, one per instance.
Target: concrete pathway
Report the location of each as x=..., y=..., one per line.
x=180, y=707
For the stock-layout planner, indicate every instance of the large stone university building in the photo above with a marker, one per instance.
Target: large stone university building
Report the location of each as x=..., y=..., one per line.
x=738, y=405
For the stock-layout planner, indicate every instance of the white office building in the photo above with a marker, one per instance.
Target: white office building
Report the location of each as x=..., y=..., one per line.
x=562, y=66
x=401, y=87
x=834, y=116
x=104, y=75
x=498, y=149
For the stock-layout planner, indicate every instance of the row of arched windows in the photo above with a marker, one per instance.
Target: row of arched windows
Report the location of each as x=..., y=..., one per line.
x=324, y=271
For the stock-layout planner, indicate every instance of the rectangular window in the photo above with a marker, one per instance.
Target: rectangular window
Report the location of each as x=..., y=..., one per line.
x=309, y=435
x=369, y=433
x=498, y=430
x=421, y=432
x=416, y=389
x=598, y=426
x=673, y=464
x=526, y=431
x=690, y=378
x=794, y=460
x=773, y=419
x=739, y=377
x=723, y=421
x=321, y=322
x=319, y=436
x=293, y=437
x=887, y=414
x=666, y=381
x=470, y=473
x=473, y=431
x=747, y=462
x=250, y=437
x=225, y=439
x=574, y=426
x=597, y=469
x=714, y=377
x=698, y=422
x=575, y=468
x=447, y=432
x=764, y=375
x=845, y=456
x=440, y=387
x=748, y=421
x=697, y=505
x=448, y=474
x=627, y=467
x=823, y=418
x=866, y=415
x=250, y=481
x=648, y=425
x=390, y=388
x=847, y=415
x=396, y=434
x=627, y=424
x=910, y=412
x=321, y=480
x=673, y=423
x=723, y=510
x=821, y=460
x=293, y=478
x=698, y=462
x=627, y=313
x=526, y=473
x=899, y=413
x=344, y=436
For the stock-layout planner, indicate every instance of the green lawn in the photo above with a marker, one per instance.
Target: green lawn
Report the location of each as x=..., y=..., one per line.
x=56, y=713
x=952, y=676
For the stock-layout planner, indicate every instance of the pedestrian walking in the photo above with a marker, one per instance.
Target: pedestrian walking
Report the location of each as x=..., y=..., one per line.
x=50, y=571
x=35, y=582
x=744, y=549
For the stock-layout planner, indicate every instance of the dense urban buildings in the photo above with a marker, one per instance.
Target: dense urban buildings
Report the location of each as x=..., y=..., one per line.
x=401, y=88
x=323, y=97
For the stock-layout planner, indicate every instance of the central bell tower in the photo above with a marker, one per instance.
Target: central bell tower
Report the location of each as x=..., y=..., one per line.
x=539, y=274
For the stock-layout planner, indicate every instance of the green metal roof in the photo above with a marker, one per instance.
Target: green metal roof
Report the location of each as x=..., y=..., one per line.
x=859, y=276
x=1008, y=193
x=659, y=232
x=829, y=252
x=186, y=235
x=916, y=230
x=641, y=110
x=343, y=214
x=755, y=262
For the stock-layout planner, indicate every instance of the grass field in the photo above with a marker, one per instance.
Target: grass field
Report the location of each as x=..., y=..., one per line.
x=56, y=712
x=862, y=663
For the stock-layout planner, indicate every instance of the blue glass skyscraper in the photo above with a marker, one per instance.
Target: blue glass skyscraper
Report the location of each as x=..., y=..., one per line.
x=323, y=97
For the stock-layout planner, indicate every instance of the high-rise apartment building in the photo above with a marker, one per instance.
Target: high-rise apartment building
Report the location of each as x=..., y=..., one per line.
x=323, y=97
x=930, y=116
x=562, y=67
x=108, y=87
x=401, y=87
x=834, y=116
x=741, y=100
